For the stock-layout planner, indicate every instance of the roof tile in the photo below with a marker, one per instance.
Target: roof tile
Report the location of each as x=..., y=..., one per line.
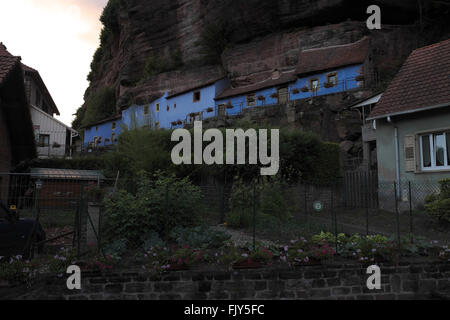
x=422, y=82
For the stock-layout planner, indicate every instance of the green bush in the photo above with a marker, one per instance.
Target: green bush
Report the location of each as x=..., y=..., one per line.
x=99, y=106
x=214, y=39
x=438, y=205
x=199, y=237
x=241, y=205
x=162, y=202
x=156, y=64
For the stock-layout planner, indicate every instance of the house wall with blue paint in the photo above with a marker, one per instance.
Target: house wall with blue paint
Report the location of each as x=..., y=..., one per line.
x=345, y=81
x=106, y=133
x=169, y=109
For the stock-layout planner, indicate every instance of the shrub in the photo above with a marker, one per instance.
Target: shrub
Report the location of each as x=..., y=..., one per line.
x=100, y=105
x=241, y=205
x=214, y=39
x=156, y=64
x=199, y=237
x=162, y=202
x=438, y=205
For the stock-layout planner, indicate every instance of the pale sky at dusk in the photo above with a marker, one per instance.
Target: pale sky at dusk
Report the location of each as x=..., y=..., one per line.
x=58, y=38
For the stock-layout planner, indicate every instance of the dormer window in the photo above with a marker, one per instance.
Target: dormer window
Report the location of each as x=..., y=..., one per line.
x=157, y=107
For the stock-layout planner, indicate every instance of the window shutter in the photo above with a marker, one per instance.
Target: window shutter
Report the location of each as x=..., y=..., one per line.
x=410, y=153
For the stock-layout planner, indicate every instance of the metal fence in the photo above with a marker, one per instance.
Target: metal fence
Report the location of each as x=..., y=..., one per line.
x=60, y=205
x=69, y=213
x=284, y=212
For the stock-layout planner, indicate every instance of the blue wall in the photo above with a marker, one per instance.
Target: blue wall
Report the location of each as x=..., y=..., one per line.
x=103, y=130
x=168, y=113
x=346, y=81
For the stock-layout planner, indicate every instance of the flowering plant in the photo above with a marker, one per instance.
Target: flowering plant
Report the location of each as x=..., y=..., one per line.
x=17, y=270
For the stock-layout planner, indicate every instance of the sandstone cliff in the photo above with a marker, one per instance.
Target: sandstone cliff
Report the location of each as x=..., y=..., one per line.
x=260, y=35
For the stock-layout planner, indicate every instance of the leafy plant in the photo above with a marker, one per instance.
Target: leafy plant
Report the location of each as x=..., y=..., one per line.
x=99, y=106
x=162, y=202
x=200, y=237
x=438, y=205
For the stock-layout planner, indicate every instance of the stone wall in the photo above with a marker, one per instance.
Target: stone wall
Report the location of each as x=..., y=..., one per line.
x=420, y=280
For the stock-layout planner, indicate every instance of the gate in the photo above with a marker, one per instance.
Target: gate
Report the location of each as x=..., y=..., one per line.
x=361, y=189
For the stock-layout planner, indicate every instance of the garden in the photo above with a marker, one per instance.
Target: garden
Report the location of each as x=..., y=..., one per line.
x=161, y=228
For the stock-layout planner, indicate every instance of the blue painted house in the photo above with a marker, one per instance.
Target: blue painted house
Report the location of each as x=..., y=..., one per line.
x=103, y=133
x=320, y=71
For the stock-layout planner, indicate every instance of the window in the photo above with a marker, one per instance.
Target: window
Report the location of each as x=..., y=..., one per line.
x=44, y=140
x=99, y=140
x=168, y=108
x=157, y=125
x=251, y=100
x=435, y=151
x=332, y=78
x=113, y=137
x=157, y=107
x=96, y=128
x=146, y=110
x=113, y=126
x=197, y=96
x=314, y=84
x=174, y=105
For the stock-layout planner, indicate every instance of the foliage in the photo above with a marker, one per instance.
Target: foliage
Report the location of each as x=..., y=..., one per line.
x=199, y=237
x=162, y=202
x=116, y=248
x=99, y=106
x=96, y=62
x=214, y=39
x=78, y=120
x=143, y=149
x=59, y=263
x=17, y=270
x=438, y=205
x=240, y=214
x=271, y=202
x=110, y=15
x=156, y=64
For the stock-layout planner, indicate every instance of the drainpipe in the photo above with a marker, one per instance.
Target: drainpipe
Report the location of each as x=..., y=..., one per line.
x=397, y=156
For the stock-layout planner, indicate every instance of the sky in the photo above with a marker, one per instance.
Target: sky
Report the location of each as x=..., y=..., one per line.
x=58, y=38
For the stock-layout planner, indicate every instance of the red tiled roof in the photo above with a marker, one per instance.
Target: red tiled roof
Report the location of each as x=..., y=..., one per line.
x=319, y=59
x=284, y=78
x=422, y=83
x=7, y=62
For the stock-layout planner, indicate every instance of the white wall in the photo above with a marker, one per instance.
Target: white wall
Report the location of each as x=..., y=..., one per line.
x=52, y=127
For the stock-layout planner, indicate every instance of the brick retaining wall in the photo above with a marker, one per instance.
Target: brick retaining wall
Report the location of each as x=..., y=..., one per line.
x=334, y=281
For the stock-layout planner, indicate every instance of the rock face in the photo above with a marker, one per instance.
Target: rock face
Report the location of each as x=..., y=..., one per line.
x=259, y=36
x=262, y=35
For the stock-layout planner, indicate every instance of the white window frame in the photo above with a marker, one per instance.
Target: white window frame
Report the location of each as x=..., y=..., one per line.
x=433, y=150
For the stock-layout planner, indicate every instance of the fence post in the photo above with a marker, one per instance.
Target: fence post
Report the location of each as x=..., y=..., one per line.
x=335, y=218
x=166, y=213
x=254, y=217
x=411, y=221
x=366, y=188
x=306, y=202
x=397, y=214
